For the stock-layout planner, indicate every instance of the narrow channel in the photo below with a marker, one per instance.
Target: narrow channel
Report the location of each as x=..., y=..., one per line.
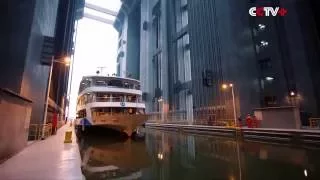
x=172, y=155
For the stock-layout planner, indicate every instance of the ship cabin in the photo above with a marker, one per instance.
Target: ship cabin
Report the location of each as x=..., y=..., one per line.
x=100, y=95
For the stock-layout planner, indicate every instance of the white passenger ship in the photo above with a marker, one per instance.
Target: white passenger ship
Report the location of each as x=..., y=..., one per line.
x=111, y=102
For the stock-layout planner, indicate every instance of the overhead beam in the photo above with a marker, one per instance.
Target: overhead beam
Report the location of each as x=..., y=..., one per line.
x=100, y=9
x=97, y=18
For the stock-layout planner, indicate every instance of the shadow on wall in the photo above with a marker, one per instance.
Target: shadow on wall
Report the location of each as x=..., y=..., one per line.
x=15, y=112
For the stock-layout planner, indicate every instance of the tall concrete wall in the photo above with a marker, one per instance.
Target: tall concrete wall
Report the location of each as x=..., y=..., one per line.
x=18, y=18
x=15, y=114
x=124, y=36
x=293, y=51
x=222, y=44
x=146, y=50
x=279, y=117
x=304, y=47
x=35, y=76
x=133, y=44
x=28, y=22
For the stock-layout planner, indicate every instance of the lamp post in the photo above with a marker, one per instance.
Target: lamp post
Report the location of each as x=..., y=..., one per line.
x=225, y=86
x=160, y=101
x=67, y=63
x=69, y=88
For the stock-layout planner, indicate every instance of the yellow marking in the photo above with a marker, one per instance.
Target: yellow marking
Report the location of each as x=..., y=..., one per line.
x=68, y=137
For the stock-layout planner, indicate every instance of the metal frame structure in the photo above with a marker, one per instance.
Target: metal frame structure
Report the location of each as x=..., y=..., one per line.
x=101, y=10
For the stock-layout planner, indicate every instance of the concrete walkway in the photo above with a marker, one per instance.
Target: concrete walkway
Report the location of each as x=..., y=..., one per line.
x=49, y=159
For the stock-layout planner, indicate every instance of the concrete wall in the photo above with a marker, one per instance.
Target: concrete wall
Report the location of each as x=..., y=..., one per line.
x=146, y=65
x=133, y=44
x=15, y=117
x=21, y=71
x=282, y=117
x=124, y=36
x=18, y=18
x=222, y=44
x=294, y=52
x=227, y=46
x=238, y=61
x=304, y=48
x=35, y=76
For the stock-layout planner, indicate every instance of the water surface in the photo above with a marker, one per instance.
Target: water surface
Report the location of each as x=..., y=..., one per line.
x=177, y=156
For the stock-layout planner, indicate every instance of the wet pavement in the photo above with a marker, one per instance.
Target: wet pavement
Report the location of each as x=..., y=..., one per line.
x=50, y=159
x=171, y=155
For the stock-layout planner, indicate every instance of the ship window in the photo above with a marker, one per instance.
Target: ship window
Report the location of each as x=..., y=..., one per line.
x=81, y=114
x=100, y=83
x=116, y=83
x=126, y=85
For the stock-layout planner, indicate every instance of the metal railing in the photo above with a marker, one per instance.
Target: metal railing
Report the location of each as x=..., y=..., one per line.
x=116, y=99
x=314, y=122
x=35, y=131
x=199, y=118
x=112, y=99
x=114, y=86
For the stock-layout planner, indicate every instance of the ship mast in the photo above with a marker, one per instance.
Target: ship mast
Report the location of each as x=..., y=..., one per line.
x=100, y=70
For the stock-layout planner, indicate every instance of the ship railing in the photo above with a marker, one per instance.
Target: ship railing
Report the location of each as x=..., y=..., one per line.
x=116, y=99
x=97, y=114
x=114, y=86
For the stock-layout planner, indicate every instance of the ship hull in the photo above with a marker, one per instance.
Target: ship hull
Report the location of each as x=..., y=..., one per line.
x=123, y=123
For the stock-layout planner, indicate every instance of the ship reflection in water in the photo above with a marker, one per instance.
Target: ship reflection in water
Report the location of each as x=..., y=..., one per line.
x=170, y=155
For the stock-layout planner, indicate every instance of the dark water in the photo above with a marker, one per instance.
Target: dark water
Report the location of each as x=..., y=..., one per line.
x=176, y=156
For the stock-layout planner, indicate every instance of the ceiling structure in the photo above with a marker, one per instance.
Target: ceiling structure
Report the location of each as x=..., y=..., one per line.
x=99, y=10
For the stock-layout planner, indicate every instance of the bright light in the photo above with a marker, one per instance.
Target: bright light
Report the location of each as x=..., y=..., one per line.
x=224, y=86
x=231, y=85
x=292, y=93
x=269, y=78
x=262, y=26
x=67, y=61
x=160, y=156
x=264, y=43
x=305, y=173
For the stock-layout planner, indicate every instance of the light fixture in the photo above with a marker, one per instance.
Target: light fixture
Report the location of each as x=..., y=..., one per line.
x=292, y=93
x=269, y=78
x=261, y=26
x=160, y=156
x=67, y=60
x=305, y=173
x=230, y=85
x=224, y=86
x=264, y=43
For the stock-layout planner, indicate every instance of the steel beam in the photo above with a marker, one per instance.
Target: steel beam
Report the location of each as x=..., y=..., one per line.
x=100, y=9
x=97, y=18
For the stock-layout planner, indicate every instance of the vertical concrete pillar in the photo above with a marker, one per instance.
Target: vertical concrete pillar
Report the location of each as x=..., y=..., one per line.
x=124, y=37
x=189, y=108
x=164, y=60
x=146, y=68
